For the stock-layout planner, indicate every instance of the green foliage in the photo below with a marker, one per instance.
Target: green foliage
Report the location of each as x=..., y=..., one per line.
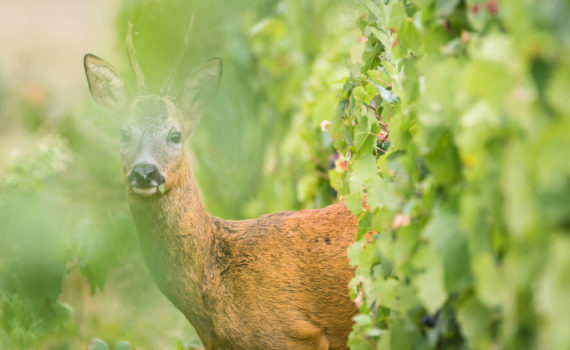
x=98, y=344
x=33, y=254
x=457, y=141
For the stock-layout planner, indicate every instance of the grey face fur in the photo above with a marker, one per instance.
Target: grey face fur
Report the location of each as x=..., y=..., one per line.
x=153, y=135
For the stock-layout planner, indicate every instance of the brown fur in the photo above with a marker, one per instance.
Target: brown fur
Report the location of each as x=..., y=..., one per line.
x=276, y=282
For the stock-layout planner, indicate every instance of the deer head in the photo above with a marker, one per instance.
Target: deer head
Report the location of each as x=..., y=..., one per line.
x=154, y=127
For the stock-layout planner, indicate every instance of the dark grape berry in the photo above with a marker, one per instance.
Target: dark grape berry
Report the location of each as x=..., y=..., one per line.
x=429, y=321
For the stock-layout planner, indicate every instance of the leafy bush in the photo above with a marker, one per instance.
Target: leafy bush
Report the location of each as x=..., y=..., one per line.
x=456, y=134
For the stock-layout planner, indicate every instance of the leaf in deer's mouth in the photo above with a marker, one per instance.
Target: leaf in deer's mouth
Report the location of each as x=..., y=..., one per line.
x=161, y=188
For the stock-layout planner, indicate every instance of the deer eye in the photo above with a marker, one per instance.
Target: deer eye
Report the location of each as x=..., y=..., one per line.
x=125, y=135
x=175, y=137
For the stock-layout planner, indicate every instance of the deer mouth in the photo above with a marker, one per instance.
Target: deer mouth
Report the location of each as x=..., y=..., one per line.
x=144, y=191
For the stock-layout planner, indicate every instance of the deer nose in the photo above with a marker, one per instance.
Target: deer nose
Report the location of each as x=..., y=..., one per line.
x=145, y=175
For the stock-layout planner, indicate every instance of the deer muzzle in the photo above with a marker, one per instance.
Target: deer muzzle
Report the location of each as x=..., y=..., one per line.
x=145, y=178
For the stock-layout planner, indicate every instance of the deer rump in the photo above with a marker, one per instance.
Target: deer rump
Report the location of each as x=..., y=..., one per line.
x=287, y=274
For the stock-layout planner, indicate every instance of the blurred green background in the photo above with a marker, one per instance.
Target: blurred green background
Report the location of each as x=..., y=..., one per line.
x=70, y=268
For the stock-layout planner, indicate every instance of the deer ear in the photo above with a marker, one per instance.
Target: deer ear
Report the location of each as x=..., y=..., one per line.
x=200, y=88
x=106, y=84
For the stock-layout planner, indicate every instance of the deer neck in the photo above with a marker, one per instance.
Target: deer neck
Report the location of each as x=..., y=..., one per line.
x=176, y=233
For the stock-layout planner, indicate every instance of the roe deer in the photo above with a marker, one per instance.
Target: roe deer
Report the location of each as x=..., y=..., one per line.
x=276, y=282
